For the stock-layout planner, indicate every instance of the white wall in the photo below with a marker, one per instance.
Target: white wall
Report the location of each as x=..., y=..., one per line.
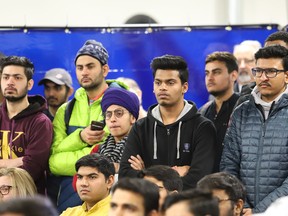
x=166, y=12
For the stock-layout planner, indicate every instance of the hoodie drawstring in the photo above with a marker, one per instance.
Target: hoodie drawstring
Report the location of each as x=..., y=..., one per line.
x=155, y=141
x=178, y=139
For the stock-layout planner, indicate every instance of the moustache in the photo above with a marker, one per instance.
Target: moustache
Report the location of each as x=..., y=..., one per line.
x=264, y=83
x=49, y=98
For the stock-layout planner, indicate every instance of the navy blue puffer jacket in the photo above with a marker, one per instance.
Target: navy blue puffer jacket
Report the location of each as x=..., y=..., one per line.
x=256, y=151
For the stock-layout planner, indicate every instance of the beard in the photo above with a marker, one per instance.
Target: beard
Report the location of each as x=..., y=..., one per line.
x=54, y=102
x=90, y=86
x=15, y=98
x=218, y=93
x=22, y=94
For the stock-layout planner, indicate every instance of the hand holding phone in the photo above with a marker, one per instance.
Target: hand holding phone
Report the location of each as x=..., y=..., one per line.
x=97, y=125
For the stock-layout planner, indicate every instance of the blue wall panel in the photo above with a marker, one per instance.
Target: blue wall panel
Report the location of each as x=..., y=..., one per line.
x=131, y=51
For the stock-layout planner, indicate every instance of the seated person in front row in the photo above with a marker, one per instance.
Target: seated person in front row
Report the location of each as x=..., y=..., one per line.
x=94, y=179
x=121, y=109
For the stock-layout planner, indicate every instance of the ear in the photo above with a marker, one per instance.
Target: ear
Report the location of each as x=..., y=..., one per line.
x=286, y=77
x=110, y=181
x=70, y=92
x=30, y=84
x=105, y=69
x=234, y=76
x=238, y=207
x=185, y=87
x=74, y=182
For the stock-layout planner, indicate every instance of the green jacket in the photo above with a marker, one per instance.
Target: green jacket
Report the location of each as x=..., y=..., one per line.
x=67, y=149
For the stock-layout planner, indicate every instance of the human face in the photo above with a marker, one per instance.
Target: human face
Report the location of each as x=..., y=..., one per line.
x=178, y=209
x=55, y=94
x=218, y=81
x=162, y=190
x=270, y=88
x=226, y=206
x=119, y=127
x=14, y=83
x=90, y=73
x=168, y=88
x=276, y=42
x=246, y=61
x=7, y=181
x=126, y=203
x=92, y=186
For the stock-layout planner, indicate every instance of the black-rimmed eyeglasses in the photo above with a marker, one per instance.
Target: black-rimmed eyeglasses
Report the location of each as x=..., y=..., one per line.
x=5, y=189
x=269, y=72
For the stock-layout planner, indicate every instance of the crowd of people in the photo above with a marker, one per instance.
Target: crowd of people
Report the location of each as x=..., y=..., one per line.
x=101, y=153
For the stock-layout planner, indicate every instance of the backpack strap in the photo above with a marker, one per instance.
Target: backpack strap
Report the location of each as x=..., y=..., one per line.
x=68, y=112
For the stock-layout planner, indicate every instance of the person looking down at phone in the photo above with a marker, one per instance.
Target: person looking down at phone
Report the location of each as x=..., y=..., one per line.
x=74, y=138
x=120, y=110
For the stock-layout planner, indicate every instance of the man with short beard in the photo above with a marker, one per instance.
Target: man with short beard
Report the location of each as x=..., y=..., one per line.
x=75, y=138
x=57, y=89
x=221, y=71
x=26, y=133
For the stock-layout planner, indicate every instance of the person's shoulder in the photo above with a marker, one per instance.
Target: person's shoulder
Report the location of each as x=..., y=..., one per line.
x=205, y=107
x=73, y=211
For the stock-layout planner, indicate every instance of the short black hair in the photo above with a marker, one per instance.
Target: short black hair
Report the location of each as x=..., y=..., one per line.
x=98, y=161
x=232, y=186
x=170, y=178
x=279, y=35
x=146, y=189
x=276, y=51
x=19, y=61
x=199, y=202
x=226, y=57
x=170, y=62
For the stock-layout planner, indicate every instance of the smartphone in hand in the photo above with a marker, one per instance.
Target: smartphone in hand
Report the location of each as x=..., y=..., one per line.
x=97, y=125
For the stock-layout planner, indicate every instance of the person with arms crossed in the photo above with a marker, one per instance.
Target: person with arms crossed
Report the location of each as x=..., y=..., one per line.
x=173, y=133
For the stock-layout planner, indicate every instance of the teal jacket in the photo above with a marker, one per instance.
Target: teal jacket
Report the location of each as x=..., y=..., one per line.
x=67, y=149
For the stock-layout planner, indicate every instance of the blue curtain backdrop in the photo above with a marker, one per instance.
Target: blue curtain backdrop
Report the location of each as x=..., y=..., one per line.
x=130, y=49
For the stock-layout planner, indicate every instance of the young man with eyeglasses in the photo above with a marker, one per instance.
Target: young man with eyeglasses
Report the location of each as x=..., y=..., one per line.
x=255, y=145
x=229, y=191
x=120, y=109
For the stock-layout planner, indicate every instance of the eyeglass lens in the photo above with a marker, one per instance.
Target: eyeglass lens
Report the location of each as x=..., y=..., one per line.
x=118, y=113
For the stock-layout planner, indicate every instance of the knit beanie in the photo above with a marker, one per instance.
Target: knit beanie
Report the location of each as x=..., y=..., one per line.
x=121, y=97
x=94, y=49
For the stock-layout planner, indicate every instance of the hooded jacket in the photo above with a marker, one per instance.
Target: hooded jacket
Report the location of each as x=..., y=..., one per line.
x=28, y=135
x=190, y=140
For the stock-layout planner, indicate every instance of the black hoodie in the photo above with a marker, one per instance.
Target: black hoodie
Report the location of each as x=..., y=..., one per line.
x=189, y=141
